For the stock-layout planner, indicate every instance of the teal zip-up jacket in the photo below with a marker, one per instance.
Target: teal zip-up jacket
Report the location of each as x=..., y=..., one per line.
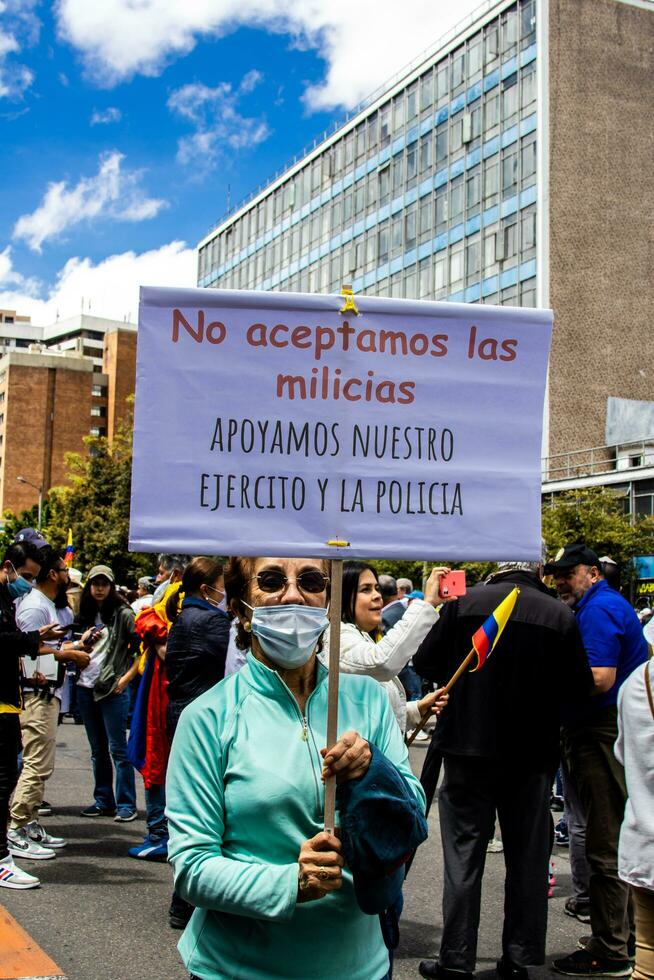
x=243, y=794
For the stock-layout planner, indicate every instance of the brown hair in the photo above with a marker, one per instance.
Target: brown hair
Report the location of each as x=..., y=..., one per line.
x=238, y=574
x=199, y=571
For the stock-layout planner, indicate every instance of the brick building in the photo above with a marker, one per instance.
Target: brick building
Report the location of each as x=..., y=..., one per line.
x=49, y=401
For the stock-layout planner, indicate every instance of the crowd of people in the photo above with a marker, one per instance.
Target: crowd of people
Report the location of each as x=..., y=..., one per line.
x=210, y=681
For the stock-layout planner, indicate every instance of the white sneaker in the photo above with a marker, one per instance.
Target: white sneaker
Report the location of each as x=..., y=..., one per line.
x=11, y=876
x=495, y=846
x=422, y=736
x=21, y=846
x=38, y=833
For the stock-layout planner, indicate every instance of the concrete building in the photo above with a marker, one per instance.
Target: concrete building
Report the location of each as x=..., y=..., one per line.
x=510, y=165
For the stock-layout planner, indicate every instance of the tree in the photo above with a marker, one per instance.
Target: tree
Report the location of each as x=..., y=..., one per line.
x=96, y=507
x=597, y=517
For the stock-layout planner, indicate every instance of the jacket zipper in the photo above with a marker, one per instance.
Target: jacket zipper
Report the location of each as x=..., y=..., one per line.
x=304, y=736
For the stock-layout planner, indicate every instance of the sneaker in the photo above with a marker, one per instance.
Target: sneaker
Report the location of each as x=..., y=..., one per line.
x=125, y=815
x=581, y=963
x=98, y=811
x=556, y=803
x=582, y=943
x=150, y=850
x=38, y=833
x=422, y=736
x=577, y=910
x=495, y=846
x=561, y=838
x=45, y=810
x=21, y=846
x=11, y=876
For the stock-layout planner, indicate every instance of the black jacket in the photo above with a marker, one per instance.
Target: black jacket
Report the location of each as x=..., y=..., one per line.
x=196, y=650
x=13, y=645
x=510, y=709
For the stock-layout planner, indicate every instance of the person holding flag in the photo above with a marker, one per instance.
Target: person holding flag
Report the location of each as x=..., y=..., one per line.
x=516, y=654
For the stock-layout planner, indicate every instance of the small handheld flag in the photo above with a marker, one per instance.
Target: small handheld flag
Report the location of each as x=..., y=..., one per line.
x=483, y=644
x=484, y=640
x=69, y=556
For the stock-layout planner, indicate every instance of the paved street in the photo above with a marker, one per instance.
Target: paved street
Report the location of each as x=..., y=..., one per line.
x=103, y=916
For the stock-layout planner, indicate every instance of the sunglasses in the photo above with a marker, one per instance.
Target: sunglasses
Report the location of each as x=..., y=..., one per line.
x=311, y=581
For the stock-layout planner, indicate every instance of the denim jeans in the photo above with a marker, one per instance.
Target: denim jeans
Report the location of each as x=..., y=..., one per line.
x=105, y=721
x=411, y=682
x=155, y=816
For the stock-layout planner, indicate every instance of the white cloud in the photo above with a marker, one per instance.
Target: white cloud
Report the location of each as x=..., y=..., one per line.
x=21, y=29
x=217, y=122
x=109, y=289
x=102, y=117
x=363, y=42
x=113, y=193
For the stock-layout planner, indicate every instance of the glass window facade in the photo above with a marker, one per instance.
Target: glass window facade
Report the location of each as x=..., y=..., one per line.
x=430, y=194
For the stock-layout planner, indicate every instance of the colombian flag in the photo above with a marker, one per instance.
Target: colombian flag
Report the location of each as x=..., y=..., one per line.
x=70, y=551
x=484, y=640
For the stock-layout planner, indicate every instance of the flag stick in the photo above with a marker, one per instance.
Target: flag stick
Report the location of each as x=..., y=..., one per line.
x=332, y=691
x=452, y=681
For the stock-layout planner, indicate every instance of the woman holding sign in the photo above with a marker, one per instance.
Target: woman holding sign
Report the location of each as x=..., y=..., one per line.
x=245, y=793
x=360, y=654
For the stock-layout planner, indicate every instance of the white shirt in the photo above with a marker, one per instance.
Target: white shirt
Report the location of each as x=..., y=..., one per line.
x=34, y=611
x=143, y=602
x=90, y=674
x=360, y=654
x=635, y=750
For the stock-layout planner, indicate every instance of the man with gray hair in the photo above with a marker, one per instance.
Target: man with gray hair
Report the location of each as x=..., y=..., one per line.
x=171, y=569
x=499, y=739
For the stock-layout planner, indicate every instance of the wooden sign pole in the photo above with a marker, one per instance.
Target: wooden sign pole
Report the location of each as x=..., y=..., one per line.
x=446, y=690
x=332, y=691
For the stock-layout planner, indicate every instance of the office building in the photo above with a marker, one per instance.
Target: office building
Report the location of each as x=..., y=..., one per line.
x=513, y=166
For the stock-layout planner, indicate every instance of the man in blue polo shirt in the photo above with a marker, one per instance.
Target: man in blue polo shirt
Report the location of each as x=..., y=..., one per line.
x=614, y=644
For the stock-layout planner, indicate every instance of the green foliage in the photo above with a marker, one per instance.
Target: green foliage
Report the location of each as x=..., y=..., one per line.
x=597, y=517
x=96, y=507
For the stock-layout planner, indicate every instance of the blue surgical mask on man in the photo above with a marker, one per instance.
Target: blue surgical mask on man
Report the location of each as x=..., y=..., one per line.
x=19, y=587
x=288, y=634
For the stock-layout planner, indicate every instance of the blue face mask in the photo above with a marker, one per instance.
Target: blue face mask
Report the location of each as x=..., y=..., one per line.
x=19, y=587
x=288, y=634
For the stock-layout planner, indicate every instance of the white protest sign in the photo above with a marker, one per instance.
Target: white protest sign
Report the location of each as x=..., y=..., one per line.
x=271, y=423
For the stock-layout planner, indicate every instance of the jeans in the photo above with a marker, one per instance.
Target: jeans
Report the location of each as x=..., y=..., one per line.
x=155, y=816
x=9, y=749
x=575, y=818
x=105, y=729
x=411, y=683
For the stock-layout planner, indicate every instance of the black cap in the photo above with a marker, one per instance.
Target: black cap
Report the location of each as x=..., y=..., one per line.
x=31, y=536
x=571, y=555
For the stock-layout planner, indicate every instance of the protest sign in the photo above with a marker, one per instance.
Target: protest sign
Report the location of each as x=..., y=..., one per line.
x=272, y=423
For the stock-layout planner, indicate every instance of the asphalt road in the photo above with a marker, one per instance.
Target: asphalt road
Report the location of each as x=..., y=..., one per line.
x=103, y=916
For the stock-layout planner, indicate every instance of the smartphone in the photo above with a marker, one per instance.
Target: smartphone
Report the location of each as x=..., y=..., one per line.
x=95, y=635
x=453, y=584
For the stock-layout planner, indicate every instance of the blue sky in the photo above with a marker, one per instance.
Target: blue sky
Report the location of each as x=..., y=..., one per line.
x=126, y=127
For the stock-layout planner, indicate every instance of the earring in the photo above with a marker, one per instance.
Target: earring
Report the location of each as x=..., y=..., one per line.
x=247, y=626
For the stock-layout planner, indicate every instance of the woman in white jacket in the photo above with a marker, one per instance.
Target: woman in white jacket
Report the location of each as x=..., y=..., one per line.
x=360, y=654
